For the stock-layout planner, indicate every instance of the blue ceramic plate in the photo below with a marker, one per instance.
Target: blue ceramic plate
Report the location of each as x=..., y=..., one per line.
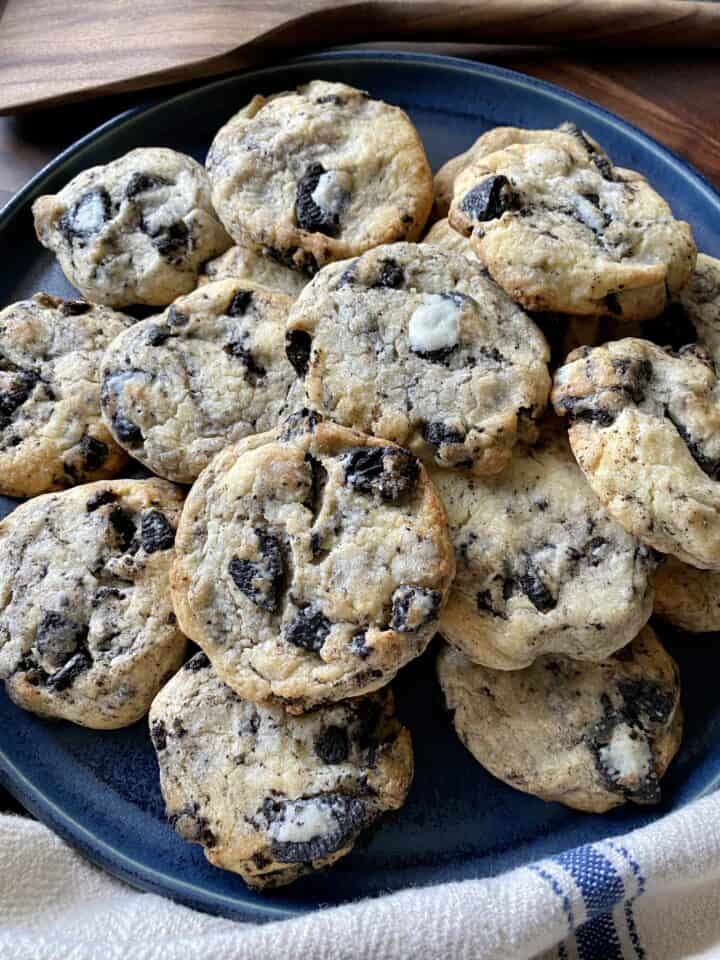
x=100, y=790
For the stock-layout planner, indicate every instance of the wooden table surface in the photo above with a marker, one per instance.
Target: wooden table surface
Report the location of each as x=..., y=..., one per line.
x=674, y=97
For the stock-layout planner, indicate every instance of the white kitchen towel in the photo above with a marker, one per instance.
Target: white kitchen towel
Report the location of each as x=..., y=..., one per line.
x=651, y=895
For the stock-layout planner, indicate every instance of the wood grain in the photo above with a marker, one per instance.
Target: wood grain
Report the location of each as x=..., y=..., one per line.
x=52, y=51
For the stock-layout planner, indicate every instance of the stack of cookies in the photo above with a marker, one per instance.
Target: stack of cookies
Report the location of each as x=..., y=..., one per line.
x=346, y=432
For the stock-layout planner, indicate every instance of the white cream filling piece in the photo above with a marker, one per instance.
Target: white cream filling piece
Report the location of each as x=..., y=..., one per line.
x=331, y=192
x=303, y=821
x=434, y=325
x=626, y=757
x=90, y=215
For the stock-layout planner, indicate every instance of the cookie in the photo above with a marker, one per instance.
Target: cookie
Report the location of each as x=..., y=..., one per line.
x=698, y=304
x=135, y=231
x=268, y=795
x=312, y=563
x=243, y=263
x=420, y=347
x=687, y=597
x=319, y=174
x=692, y=316
x=442, y=235
x=87, y=631
x=489, y=142
x=212, y=369
x=51, y=432
x=562, y=229
x=589, y=735
x=541, y=566
x=645, y=428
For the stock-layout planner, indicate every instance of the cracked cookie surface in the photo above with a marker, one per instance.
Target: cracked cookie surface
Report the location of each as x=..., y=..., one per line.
x=135, y=231
x=179, y=387
x=419, y=346
x=645, y=428
x=562, y=229
x=268, y=795
x=541, y=566
x=589, y=735
x=244, y=263
x=312, y=563
x=87, y=630
x=319, y=174
x=51, y=432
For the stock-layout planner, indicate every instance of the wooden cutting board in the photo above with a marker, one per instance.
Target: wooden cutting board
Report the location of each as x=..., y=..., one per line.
x=57, y=50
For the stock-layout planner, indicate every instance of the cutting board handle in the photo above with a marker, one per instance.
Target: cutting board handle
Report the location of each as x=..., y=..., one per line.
x=616, y=23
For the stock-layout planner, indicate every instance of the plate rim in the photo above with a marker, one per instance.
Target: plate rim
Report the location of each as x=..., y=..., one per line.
x=93, y=847
x=683, y=167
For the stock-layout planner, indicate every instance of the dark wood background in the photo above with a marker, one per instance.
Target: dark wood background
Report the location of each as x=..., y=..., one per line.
x=675, y=97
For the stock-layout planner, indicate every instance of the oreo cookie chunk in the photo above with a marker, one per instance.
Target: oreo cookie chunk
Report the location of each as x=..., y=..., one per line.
x=589, y=735
x=542, y=567
x=271, y=796
x=312, y=563
x=87, y=632
x=319, y=174
x=645, y=429
x=51, y=432
x=135, y=231
x=416, y=344
x=560, y=228
x=178, y=387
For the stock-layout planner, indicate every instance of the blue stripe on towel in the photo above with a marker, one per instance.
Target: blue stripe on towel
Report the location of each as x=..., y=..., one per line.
x=602, y=888
x=629, y=916
x=597, y=879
